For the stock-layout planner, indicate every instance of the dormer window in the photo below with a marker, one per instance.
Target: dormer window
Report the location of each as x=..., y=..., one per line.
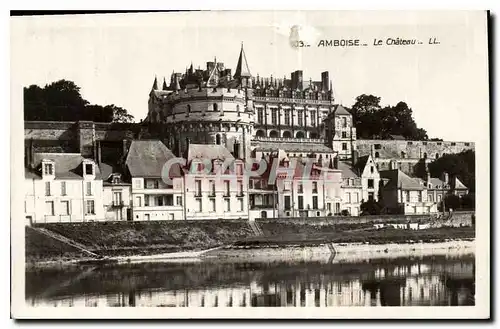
x=116, y=179
x=89, y=169
x=48, y=168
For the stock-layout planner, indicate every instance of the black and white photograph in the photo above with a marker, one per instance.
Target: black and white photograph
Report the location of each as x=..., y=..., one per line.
x=250, y=164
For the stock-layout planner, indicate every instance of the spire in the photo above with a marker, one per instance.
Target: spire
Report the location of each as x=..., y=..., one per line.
x=164, y=84
x=177, y=85
x=242, y=70
x=155, y=84
x=191, y=68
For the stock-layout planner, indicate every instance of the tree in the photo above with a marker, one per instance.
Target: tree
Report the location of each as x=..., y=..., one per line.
x=452, y=201
x=120, y=114
x=370, y=207
x=461, y=165
x=62, y=101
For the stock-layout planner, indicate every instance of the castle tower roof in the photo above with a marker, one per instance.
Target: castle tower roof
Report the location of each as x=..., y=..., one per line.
x=242, y=70
x=155, y=84
x=164, y=87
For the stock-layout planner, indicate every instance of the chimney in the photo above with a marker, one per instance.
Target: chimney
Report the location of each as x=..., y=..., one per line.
x=298, y=76
x=428, y=178
x=324, y=80
x=99, y=153
x=445, y=178
x=354, y=157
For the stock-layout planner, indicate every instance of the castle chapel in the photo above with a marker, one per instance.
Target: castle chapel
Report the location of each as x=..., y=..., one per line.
x=251, y=115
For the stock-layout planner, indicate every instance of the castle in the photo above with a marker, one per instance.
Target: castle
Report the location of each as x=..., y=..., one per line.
x=212, y=114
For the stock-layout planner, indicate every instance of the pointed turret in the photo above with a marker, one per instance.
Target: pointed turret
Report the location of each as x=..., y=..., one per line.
x=242, y=70
x=164, y=87
x=155, y=84
x=177, y=85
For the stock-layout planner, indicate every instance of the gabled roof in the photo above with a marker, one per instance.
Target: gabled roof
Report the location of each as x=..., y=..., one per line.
x=208, y=151
x=146, y=158
x=67, y=165
x=340, y=110
x=399, y=180
x=361, y=163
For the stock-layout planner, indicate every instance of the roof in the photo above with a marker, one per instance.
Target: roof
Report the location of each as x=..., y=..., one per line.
x=67, y=165
x=242, y=69
x=459, y=185
x=361, y=163
x=399, y=180
x=397, y=137
x=293, y=147
x=208, y=151
x=340, y=110
x=146, y=158
x=347, y=170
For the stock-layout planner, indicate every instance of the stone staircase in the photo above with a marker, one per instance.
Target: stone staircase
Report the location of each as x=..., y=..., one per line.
x=257, y=231
x=63, y=239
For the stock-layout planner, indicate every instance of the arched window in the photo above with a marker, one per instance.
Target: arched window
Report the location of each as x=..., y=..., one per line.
x=273, y=134
x=299, y=134
x=377, y=155
x=437, y=155
x=216, y=107
x=260, y=133
x=217, y=139
x=287, y=134
x=238, y=109
x=189, y=109
x=372, y=169
x=402, y=154
x=263, y=214
x=425, y=155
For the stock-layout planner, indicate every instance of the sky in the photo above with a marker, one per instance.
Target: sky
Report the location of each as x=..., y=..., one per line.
x=114, y=58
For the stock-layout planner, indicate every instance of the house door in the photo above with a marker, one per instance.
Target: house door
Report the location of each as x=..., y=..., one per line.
x=118, y=214
x=146, y=217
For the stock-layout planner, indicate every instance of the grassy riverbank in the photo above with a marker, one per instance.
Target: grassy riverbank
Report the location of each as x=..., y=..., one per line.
x=148, y=238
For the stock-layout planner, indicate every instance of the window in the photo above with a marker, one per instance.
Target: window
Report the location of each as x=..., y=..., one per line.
x=420, y=196
x=467, y=144
x=89, y=188
x=260, y=116
x=156, y=184
x=47, y=188
x=215, y=107
x=430, y=197
x=344, y=146
x=146, y=201
x=300, y=118
x=315, y=187
x=402, y=154
x=287, y=202
x=355, y=197
x=407, y=196
x=370, y=182
x=370, y=196
x=49, y=208
x=301, y=202
x=212, y=187
x=117, y=198
x=138, y=183
x=48, y=169
x=313, y=118
x=188, y=109
x=64, y=207
x=212, y=204
x=226, y=188
x=300, y=188
x=240, y=202
x=178, y=200
x=348, y=197
x=329, y=206
x=287, y=117
x=89, y=207
x=372, y=170
x=199, y=206
x=146, y=217
x=439, y=197
x=89, y=169
x=197, y=184
x=437, y=155
x=425, y=155
x=217, y=139
x=344, y=134
x=238, y=110
x=227, y=205
x=453, y=144
x=138, y=202
x=274, y=115
x=315, y=202
x=344, y=122
x=63, y=188
x=377, y=155
x=240, y=188
x=169, y=200
x=378, y=146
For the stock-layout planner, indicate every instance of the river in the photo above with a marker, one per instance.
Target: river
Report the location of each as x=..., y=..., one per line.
x=416, y=281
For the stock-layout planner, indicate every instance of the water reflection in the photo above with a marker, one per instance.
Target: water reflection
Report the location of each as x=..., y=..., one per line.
x=432, y=281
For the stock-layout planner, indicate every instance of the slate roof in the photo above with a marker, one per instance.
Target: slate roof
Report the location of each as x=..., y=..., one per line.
x=347, y=170
x=361, y=163
x=208, y=151
x=67, y=165
x=293, y=147
x=146, y=158
x=459, y=185
x=399, y=180
x=340, y=110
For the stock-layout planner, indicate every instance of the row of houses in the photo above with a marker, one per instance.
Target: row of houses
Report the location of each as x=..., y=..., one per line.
x=208, y=182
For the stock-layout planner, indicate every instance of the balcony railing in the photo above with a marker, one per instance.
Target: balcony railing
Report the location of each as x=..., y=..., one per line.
x=261, y=206
x=117, y=204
